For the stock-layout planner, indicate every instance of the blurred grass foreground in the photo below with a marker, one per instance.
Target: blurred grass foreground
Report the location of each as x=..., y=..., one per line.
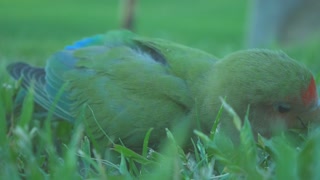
x=35, y=149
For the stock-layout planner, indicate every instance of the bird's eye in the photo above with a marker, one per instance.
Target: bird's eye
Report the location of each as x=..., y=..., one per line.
x=283, y=108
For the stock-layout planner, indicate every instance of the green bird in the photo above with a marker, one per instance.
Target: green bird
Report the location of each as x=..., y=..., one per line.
x=121, y=85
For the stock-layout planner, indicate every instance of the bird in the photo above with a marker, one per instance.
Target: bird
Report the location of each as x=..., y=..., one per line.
x=121, y=84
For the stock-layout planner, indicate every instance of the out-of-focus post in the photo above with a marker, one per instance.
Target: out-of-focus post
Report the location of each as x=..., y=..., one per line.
x=128, y=14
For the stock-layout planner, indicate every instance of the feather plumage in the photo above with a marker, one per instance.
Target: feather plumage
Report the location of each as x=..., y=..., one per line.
x=129, y=84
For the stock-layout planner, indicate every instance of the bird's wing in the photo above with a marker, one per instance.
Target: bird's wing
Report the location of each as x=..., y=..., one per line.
x=127, y=83
x=127, y=91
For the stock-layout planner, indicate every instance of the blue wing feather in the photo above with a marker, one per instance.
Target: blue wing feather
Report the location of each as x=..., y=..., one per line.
x=94, y=40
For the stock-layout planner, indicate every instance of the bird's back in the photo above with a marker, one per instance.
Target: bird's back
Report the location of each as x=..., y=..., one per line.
x=120, y=84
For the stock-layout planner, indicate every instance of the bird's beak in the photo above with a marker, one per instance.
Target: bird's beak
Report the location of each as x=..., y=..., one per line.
x=312, y=116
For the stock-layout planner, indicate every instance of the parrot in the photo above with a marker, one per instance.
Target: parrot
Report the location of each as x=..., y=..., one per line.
x=121, y=84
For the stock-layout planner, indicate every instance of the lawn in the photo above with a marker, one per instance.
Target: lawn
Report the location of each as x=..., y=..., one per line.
x=207, y=25
x=32, y=148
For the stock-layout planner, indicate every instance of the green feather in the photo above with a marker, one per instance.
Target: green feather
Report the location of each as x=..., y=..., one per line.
x=128, y=84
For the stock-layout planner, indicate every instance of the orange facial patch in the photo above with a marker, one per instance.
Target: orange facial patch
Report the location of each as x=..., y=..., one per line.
x=310, y=94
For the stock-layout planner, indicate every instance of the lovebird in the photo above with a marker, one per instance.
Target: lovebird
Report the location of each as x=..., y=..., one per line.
x=121, y=84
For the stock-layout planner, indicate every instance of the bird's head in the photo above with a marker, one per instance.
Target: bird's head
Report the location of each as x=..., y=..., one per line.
x=280, y=92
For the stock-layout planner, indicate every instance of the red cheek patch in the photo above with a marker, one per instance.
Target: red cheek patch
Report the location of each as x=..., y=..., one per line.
x=310, y=94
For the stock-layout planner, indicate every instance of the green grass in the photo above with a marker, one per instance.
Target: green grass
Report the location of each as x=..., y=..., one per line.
x=33, y=148
x=57, y=23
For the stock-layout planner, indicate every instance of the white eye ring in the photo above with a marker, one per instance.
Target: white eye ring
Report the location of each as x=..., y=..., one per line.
x=282, y=107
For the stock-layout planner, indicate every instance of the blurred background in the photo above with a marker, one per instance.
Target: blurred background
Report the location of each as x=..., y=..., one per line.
x=32, y=30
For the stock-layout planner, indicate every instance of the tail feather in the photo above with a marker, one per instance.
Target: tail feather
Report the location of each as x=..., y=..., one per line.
x=29, y=73
x=36, y=78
